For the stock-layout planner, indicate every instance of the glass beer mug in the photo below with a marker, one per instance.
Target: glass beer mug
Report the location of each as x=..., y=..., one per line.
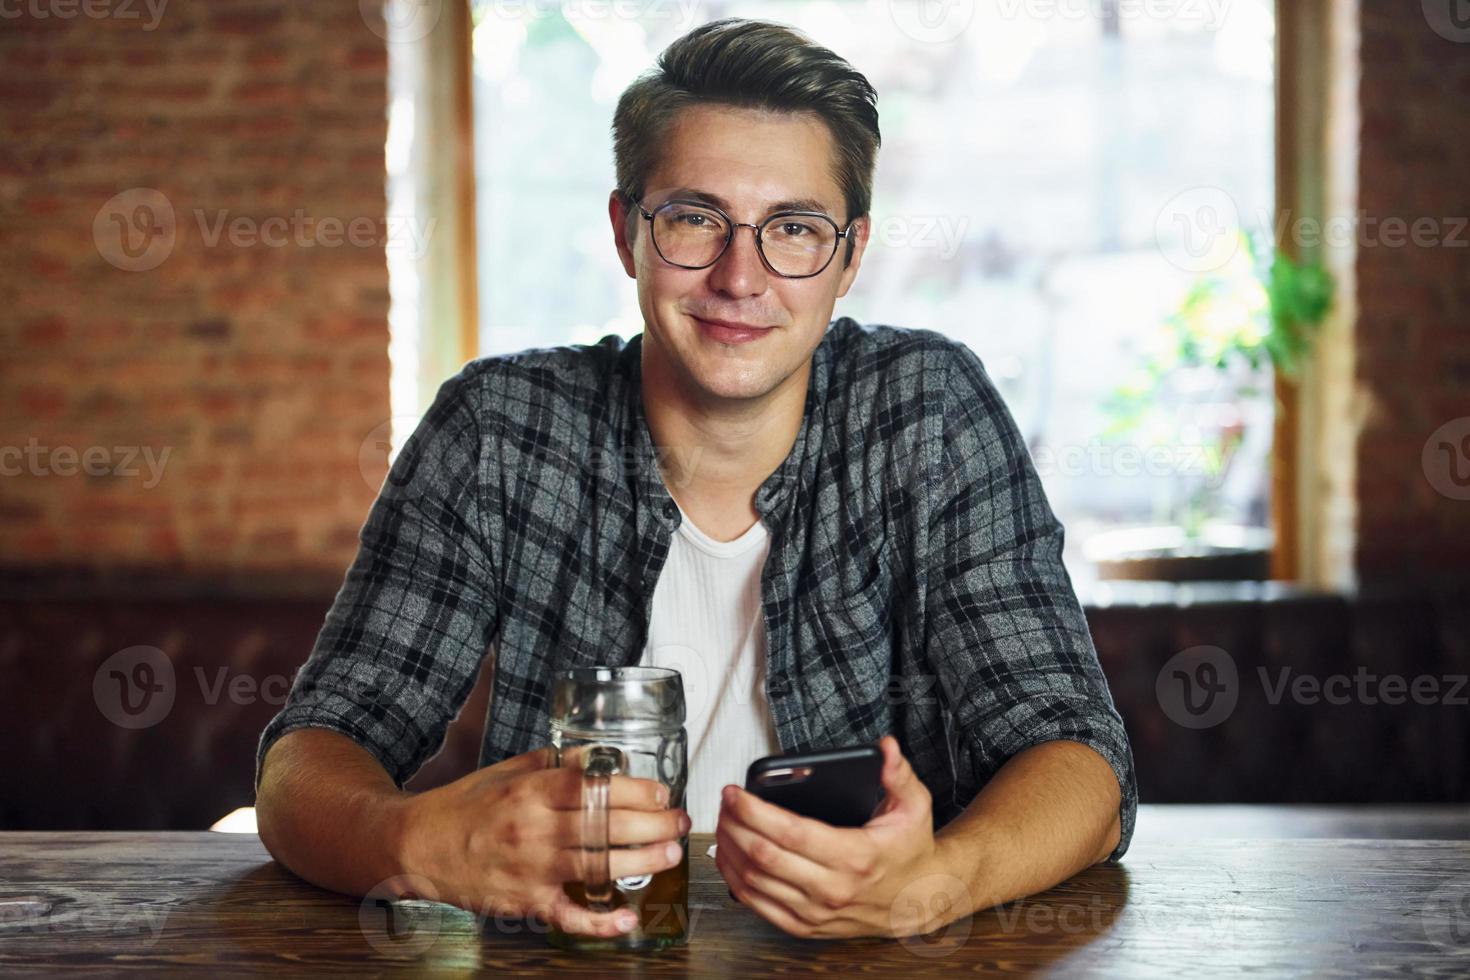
x=623, y=721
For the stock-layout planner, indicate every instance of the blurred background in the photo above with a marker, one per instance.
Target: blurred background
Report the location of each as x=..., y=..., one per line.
x=1213, y=252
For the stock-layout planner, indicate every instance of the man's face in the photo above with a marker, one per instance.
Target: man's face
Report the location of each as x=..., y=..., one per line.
x=750, y=161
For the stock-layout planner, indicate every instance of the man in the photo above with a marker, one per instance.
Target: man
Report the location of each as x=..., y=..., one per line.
x=834, y=529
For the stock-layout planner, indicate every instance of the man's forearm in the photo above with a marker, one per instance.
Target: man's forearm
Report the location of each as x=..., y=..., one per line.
x=1049, y=812
x=328, y=811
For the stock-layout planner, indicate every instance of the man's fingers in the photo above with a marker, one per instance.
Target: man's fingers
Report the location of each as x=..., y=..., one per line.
x=564, y=791
x=625, y=828
x=532, y=761
x=818, y=843
x=570, y=917
x=756, y=854
x=737, y=870
x=622, y=861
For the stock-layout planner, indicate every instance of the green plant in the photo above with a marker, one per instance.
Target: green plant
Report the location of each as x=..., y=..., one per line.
x=1229, y=328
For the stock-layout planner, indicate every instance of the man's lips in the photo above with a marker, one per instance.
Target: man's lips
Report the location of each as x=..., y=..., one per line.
x=732, y=324
x=730, y=332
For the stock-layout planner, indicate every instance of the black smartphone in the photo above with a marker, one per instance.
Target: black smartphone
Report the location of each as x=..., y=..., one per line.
x=841, y=787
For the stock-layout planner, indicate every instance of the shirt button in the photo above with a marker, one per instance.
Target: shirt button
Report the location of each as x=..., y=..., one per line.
x=670, y=510
x=780, y=685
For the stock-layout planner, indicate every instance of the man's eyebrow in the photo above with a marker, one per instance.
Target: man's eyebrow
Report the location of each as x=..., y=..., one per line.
x=793, y=204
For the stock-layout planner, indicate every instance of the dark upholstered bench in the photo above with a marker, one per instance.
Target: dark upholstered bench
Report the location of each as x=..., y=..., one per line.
x=234, y=648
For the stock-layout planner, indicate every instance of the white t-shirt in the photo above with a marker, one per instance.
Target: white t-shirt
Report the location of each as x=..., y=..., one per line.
x=707, y=623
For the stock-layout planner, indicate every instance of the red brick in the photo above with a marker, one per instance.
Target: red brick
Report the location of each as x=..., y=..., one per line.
x=35, y=545
x=142, y=57
x=153, y=91
x=269, y=93
x=163, y=544
x=49, y=267
x=246, y=21
x=274, y=539
x=43, y=402
x=43, y=332
x=30, y=93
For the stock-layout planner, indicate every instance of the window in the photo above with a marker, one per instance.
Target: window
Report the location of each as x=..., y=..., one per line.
x=1046, y=179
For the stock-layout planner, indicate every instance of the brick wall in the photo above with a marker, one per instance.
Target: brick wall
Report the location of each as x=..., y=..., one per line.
x=1413, y=331
x=192, y=393
x=180, y=400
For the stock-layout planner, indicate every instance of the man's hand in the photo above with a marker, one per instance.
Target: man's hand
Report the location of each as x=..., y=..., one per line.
x=503, y=839
x=818, y=881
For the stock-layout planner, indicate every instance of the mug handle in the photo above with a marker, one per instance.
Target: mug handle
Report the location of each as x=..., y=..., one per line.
x=603, y=762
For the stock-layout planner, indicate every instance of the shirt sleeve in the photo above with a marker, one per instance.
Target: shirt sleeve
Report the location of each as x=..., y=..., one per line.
x=1006, y=635
x=405, y=636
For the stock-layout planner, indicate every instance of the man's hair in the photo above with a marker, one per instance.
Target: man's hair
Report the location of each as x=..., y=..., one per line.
x=750, y=64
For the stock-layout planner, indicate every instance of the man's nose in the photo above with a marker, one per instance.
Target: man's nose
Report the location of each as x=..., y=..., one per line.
x=740, y=270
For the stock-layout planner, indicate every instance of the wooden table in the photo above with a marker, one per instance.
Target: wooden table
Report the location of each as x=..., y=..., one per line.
x=1315, y=890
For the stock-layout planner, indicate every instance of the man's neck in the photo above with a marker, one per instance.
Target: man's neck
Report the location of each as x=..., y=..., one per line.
x=715, y=453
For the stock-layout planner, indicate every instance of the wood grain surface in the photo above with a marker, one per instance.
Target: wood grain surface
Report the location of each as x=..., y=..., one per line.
x=1275, y=904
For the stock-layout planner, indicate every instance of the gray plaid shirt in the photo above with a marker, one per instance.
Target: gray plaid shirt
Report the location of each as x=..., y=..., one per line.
x=914, y=586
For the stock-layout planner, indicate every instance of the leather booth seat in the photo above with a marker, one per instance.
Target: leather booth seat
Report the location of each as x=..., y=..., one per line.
x=68, y=766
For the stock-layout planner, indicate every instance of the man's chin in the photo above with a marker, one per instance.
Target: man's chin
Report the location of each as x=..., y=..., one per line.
x=730, y=378
x=732, y=386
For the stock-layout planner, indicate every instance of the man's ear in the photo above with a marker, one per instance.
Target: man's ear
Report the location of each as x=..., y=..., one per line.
x=618, y=211
x=859, y=236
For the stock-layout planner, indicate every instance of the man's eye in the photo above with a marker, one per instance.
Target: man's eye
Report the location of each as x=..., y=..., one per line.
x=694, y=219
x=794, y=229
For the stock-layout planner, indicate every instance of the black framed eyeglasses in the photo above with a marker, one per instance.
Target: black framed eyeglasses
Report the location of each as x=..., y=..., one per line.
x=693, y=235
